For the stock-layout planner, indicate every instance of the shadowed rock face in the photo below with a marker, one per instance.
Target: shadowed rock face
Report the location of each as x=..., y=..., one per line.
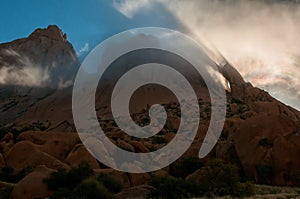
x=260, y=135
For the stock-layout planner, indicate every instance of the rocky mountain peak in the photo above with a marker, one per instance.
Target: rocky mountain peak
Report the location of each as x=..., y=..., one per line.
x=34, y=67
x=52, y=32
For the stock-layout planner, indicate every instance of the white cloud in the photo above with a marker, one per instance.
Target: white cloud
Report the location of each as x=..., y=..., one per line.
x=83, y=49
x=25, y=73
x=260, y=39
x=64, y=84
x=129, y=8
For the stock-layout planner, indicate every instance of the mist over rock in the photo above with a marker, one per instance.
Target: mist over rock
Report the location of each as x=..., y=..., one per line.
x=44, y=59
x=33, y=68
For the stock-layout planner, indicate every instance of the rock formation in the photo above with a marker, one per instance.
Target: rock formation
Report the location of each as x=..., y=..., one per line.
x=260, y=134
x=33, y=68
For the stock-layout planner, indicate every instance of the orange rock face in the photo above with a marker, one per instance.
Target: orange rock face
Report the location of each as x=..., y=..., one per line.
x=26, y=154
x=32, y=185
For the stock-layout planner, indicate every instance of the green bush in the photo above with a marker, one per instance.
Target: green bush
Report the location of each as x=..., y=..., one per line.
x=215, y=179
x=168, y=187
x=7, y=174
x=111, y=184
x=91, y=188
x=186, y=166
x=265, y=173
x=88, y=188
x=171, y=187
x=63, y=193
x=70, y=179
x=81, y=183
x=57, y=180
x=6, y=191
x=222, y=179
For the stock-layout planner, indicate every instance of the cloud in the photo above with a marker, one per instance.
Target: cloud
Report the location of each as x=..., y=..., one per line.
x=25, y=73
x=129, y=8
x=64, y=84
x=83, y=49
x=260, y=39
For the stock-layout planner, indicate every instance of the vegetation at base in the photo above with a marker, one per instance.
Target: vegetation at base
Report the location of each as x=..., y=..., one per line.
x=172, y=187
x=297, y=178
x=7, y=174
x=183, y=167
x=265, y=173
x=5, y=192
x=109, y=183
x=217, y=179
x=81, y=183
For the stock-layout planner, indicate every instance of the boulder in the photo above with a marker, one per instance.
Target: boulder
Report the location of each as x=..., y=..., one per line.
x=32, y=185
x=26, y=154
x=139, y=147
x=8, y=138
x=57, y=144
x=138, y=192
x=119, y=176
x=160, y=173
x=137, y=179
x=80, y=154
x=263, y=144
x=124, y=145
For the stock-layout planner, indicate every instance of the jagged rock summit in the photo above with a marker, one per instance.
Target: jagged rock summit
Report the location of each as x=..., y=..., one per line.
x=52, y=32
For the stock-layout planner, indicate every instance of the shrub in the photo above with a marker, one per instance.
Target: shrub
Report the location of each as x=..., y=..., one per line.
x=168, y=187
x=91, y=188
x=63, y=193
x=70, y=179
x=111, y=184
x=80, y=183
x=184, y=167
x=297, y=179
x=265, y=142
x=221, y=179
x=215, y=179
x=57, y=180
x=171, y=187
x=265, y=173
x=7, y=174
x=5, y=191
x=245, y=189
x=88, y=188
